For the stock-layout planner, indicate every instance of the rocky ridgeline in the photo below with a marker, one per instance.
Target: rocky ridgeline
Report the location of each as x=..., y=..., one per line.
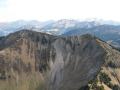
x=63, y=63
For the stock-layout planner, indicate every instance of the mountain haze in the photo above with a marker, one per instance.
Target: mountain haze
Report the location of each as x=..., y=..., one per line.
x=108, y=31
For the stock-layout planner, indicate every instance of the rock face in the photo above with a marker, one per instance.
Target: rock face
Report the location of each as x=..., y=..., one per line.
x=63, y=63
x=78, y=59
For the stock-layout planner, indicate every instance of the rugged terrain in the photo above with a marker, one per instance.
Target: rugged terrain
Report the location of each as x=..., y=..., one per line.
x=109, y=31
x=37, y=61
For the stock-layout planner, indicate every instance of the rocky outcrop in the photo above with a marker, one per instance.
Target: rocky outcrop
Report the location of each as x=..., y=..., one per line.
x=63, y=63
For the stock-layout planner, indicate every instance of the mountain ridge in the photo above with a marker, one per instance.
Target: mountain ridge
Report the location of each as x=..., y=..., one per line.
x=99, y=28
x=55, y=62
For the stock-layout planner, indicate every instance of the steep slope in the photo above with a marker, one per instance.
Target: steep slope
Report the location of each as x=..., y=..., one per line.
x=108, y=77
x=112, y=65
x=36, y=61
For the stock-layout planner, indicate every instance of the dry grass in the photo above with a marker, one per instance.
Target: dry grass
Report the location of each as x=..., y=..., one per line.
x=24, y=82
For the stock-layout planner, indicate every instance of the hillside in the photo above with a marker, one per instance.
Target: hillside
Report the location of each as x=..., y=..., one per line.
x=32, y=60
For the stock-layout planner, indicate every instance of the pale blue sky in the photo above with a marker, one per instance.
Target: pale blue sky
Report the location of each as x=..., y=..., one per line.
x=43, y=10
x=3, y=3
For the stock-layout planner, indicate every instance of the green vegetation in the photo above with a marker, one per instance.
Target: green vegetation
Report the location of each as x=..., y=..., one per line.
x=94, y=85
x=105, y=78
x=112, y=65
x=100, y=88
x=115, y=87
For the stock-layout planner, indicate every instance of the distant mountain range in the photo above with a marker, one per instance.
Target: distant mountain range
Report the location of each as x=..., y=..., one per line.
x=106, y=30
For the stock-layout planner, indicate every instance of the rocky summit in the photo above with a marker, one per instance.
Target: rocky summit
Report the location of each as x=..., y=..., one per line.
x=32, y=60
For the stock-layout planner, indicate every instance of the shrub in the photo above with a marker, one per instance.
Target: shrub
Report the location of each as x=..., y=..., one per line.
x=116, y=87
x=104, y=78
x=111, y=64
x=100, y=88
x=94, y=85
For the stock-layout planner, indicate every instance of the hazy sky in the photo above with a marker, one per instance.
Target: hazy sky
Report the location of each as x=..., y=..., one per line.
x=43, y=10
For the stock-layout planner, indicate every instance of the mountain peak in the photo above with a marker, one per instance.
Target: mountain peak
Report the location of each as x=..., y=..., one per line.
x=57, y=63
